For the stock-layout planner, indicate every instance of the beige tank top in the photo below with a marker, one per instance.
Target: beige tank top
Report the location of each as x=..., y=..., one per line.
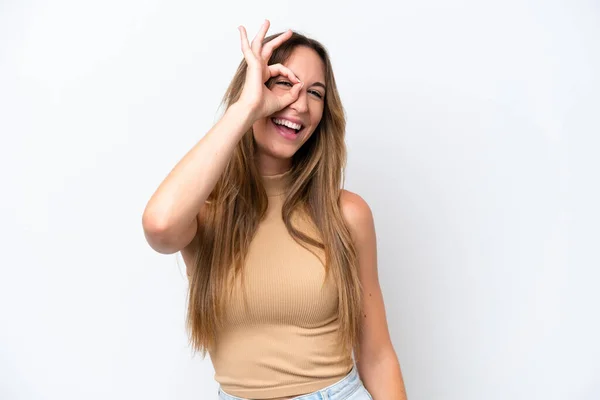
x=283, y=344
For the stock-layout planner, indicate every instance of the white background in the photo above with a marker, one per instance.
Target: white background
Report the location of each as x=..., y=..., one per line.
x=472, y=133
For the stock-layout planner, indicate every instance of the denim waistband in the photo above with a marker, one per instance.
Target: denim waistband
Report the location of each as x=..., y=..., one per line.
x=338, y=391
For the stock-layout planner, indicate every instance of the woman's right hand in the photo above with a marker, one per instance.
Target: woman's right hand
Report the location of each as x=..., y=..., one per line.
x=259, y=99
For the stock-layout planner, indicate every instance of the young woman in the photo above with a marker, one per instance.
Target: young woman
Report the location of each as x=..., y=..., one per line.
x=282, y=264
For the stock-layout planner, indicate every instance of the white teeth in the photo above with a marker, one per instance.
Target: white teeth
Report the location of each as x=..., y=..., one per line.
x=287, y=123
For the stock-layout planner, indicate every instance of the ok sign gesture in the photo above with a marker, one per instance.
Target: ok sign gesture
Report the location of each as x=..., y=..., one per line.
x=261, y=101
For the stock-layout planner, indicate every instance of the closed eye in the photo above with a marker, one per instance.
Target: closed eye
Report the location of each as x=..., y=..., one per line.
x=286, y=83
x=289, y=84
x=319, y=95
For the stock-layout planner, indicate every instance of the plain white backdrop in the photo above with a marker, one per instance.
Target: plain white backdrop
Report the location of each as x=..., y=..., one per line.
x=472, y=133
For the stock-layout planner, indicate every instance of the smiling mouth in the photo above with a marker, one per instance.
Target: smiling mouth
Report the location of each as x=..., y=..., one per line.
x=287, y=128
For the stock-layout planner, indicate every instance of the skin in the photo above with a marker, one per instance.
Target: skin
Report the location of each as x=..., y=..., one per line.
x=379, y=368
x=295, y=94
x=378, y=365
x=174, y=212
x=274, y=152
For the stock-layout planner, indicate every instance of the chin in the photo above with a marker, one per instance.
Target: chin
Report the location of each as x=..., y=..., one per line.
x=275, y=150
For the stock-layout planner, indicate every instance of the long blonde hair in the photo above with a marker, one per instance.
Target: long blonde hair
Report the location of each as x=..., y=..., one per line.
x=238, y=203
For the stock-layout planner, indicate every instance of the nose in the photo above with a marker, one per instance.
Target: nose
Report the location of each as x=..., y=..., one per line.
x=301, y=103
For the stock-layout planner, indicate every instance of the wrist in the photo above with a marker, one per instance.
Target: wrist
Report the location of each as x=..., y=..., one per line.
x=242, y=113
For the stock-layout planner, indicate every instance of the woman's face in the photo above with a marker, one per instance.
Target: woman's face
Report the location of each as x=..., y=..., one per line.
x=280, y=142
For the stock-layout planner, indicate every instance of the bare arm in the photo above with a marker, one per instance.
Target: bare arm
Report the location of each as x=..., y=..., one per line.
x=169, y=219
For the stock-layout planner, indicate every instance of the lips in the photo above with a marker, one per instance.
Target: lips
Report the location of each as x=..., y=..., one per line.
x=288, y=127
x=286, y=132
x=291, y=119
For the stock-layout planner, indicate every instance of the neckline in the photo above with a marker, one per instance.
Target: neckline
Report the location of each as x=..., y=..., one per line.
x=278, y=184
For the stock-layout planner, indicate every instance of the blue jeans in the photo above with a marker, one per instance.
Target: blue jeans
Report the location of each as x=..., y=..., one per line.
x=348, y=388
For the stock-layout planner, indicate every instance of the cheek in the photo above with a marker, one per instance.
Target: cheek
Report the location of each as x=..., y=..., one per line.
x=315, y=116
x=259, y=127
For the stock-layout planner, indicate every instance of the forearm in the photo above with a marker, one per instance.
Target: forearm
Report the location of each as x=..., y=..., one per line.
x=383, y=379
x=179, y=197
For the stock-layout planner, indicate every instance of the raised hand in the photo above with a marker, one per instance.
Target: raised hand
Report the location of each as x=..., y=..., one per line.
x=255, y=95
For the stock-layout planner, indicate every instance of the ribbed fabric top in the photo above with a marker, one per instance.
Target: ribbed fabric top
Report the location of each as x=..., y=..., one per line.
x=284, y=343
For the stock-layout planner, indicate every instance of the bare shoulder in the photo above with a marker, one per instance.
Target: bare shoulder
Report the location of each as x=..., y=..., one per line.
x=356, y=211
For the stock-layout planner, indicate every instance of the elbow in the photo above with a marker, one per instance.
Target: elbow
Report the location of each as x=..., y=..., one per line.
x=164, y=238
x=159, y=242
x=157, y=235
x=158, y=239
